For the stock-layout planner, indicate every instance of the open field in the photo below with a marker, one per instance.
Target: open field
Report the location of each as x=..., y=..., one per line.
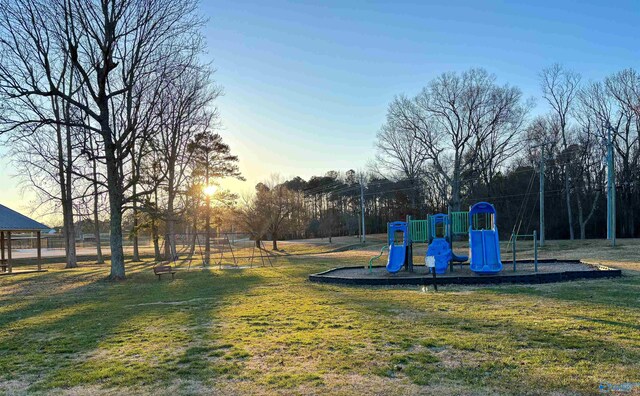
x=267, y=330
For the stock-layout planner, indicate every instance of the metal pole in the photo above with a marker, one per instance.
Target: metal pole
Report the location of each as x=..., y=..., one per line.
x=364, y=239
x=608, y=184
x=611, y=190
x=409, y=245
x=613, y=198
x=513, y=248
x=535, y=251
x=541, y=195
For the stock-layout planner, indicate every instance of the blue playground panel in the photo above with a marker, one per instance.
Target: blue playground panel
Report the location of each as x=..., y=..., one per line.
x=398, y=241
x=484, y=245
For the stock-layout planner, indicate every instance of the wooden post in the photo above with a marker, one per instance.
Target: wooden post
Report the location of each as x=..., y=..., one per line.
x=39, y=245
x=9, y=252
x=2, y=250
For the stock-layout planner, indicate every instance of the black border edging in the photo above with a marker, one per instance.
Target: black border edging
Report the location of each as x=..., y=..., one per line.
x=598, y=272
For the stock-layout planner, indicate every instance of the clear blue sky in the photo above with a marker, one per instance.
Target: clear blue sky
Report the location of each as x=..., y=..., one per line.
x=307, y=83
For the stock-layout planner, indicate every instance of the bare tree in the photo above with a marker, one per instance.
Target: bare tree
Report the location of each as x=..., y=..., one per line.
x=43, y=147
x=399, y=153
x=111, y=45
x=623, y=89
x=455, y=117
x=279, y=206
x=612, y=104
x=560, y=87
x=252, y=219
x=184, y=111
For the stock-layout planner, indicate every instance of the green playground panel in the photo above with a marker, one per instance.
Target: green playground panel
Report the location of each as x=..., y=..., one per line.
x=459, y=223
x=483, y=220
x=419, y=230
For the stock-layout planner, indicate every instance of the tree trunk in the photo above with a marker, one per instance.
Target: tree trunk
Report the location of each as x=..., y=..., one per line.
x=136, y=250
x=135, y=172
x=170, y=237
x=274, y=242
x=115, y=205
x=581, y=221
x=194, y=238
x=70, y=237
x=96, y=224
x=455, y=189
x=96, y=218
x=568, y=201
x=207, y=241
x=64, y=175
x=156, y=242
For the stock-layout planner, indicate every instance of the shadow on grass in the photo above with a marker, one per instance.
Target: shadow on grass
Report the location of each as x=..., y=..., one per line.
x=514, y=345
x=619, y=292
x=129, y=333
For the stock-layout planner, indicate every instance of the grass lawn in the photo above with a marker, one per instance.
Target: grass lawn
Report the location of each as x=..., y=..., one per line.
x=269, y=331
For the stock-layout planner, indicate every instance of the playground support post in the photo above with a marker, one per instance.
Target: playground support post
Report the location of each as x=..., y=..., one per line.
x=435, y=281
x=409, y=245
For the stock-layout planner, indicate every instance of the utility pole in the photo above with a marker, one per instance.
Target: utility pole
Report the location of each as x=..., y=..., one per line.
x=542, y=161
x=542, y=195
x=363, y=240
x=611, y=189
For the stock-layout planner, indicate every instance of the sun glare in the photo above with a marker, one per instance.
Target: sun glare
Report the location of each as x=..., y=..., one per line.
x=210, y=190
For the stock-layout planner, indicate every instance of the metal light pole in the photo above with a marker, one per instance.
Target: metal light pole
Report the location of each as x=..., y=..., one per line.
x=611, y=189
x=542, y=195
x=362, y=206
x=542, y=161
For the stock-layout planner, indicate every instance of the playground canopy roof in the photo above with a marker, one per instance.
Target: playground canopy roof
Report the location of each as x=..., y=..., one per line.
x=10, y=220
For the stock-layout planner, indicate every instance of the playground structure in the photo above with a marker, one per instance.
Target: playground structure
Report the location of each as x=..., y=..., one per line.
x=485, y=264
x=438, y=231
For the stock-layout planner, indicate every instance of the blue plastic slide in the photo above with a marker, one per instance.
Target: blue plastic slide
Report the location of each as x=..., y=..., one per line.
x=398, y=238
x=440, y=247
x=440, y=250
x=458, y=259
x=484, y=245
x=396, y=258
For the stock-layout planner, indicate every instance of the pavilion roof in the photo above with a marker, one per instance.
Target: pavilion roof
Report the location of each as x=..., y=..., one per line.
x=10, y=220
